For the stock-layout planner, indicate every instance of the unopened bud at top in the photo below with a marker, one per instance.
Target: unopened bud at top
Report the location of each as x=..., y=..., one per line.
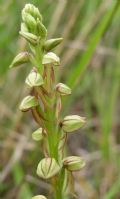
x=28, y=103
x=39, y=197
x=63, y=89
x=38, y=134
x=34, y=79
x=72, y=123
x=21, y=58
x=47, y=168
x=31, y=9
x=33, y=20
x=29, y=21
x=52, y=43
x=73, y=163
x=51, y=58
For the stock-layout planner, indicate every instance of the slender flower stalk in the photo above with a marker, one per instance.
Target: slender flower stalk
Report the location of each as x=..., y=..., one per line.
x=46, y=105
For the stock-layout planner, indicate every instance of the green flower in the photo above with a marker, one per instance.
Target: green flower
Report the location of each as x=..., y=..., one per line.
x=51, y=58
x=34, y=79
x=28, y=103
x=38, y=134
x=21, y=58
x=72, y=122
x=73, y=163
x=52, y=43
x=63, y=89
x=47, y=168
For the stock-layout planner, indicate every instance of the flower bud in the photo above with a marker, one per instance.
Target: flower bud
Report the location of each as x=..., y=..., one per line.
x=28, y=102
x=72, y=123
x=63, y=89
x=42, y=31
x=33, y=39
x=29, y=21
x=31, y=9
x=24, y=28
x=39, y=197
x=21, y=58
x=47, y=168
x=34, y=79
x=73, y=163
x=52, y=43
x=38, y=134
x=51, y=58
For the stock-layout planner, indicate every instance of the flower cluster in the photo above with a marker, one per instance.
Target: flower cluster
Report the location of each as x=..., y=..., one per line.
x=45, y=101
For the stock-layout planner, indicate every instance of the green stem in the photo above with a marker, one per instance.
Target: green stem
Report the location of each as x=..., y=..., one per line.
x=38, y=58
x=60, y=186
x=51, y=130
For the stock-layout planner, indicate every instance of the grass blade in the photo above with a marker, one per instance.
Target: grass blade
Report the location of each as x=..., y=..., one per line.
x=76, y=73
x=113, y=191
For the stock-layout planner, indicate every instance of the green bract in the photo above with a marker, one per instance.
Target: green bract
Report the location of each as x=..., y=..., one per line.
x=28, y=102
x=34, y=79
x=21, y=58
x=63, y=89
x=73, y=163
x=51, y=58
x=72, y=122
x=31, y=38
x=47, y=168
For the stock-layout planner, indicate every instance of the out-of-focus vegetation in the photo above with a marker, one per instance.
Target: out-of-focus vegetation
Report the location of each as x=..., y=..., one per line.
x=90, y=57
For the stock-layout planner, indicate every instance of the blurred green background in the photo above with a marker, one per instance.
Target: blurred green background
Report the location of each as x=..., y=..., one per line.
x=90, y=65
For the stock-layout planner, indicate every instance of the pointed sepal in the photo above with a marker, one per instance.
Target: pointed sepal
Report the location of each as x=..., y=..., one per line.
x=20, y=59
x=52, y=43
